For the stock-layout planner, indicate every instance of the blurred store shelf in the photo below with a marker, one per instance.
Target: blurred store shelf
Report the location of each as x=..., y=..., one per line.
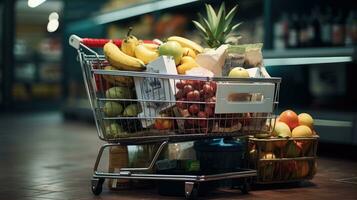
x=128, y=12
x=310, y=52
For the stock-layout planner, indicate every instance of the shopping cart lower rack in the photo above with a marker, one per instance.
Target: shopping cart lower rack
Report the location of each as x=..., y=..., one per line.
x=149, y=107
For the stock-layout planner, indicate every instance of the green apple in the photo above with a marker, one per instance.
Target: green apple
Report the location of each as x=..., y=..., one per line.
x=172, y=48
x=238, y=72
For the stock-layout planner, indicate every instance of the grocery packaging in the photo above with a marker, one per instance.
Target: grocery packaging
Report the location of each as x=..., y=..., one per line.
x=151, y=90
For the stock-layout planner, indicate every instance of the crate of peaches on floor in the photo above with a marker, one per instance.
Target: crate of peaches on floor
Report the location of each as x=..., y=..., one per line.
x=289, y=153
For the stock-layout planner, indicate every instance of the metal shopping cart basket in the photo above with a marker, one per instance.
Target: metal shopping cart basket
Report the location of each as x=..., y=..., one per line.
x=132, y=108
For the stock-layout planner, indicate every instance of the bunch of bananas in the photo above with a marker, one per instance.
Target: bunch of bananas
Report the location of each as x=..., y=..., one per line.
x=133, y=54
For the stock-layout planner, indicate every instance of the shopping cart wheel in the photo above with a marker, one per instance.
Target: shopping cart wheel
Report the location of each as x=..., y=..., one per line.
x=97, y=184
x=191, y=190
x=245, y=187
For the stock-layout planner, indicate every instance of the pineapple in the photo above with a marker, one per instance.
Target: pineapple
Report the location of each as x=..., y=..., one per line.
x=217, y=27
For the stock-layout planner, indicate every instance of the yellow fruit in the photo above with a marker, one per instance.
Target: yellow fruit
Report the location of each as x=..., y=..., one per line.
x=267, y=156
x=281, y=130
x=118, y=80
x=181, y=69
x=187, y=59
x=186, y=43
x=189, y=52
x=120, y=60
x=129, y=43
x=151, y=46
x=238, y=72
x=302, y=131
x=306, y=119
x=145, y=54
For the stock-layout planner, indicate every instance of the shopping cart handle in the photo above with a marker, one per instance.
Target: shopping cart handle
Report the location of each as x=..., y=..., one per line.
x=75, y=42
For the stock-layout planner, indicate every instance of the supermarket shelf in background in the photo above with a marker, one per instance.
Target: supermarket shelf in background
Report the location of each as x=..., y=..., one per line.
x=311, y=52
x=137, y=10
x=132, y=11
x=306, y=61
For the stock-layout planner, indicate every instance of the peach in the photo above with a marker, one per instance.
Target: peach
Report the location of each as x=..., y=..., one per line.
x=282, y=130
x=306, y=119
x=301, y=131
x=290, y=118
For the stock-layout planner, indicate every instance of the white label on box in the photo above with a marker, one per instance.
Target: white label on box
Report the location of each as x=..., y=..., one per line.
x=152, y=92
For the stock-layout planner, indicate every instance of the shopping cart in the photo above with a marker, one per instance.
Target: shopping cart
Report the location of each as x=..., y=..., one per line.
x=160, y=113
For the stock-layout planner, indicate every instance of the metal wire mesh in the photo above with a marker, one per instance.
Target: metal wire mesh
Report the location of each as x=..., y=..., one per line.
x=138, y=106
x=283, y=160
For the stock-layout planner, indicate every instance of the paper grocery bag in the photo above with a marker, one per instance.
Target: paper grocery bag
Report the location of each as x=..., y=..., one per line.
x=213, y=59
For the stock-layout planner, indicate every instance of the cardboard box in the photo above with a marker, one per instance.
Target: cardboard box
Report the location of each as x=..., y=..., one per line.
x=151, y=90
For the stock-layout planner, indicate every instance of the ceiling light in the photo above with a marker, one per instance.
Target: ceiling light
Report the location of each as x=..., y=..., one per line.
x=52, y=26
x=34, y=3
x=53, y=16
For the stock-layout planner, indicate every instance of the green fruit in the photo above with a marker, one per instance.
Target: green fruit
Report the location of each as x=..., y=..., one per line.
x=131, y=110
x=119, y=93
x=114, y=130
x=238, y=72
x=112, y=109
x=172, y=48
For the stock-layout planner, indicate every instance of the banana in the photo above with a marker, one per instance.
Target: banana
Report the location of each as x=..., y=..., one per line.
x=187, y=63
x=151, y=46
x=120, y=60
x=129, y=43
x=145, y=54
x=125, y=81
x=189, y=52
x=186, y=43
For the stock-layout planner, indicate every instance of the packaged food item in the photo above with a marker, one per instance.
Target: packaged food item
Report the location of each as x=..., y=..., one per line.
x=246, y=56
x=213, y=59
x=152, y=90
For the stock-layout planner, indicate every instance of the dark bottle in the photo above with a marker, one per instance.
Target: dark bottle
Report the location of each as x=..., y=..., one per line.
x=315, y=37
x=338, y=30
x=303, y=34
x=326, y=28
x=294, y=32
x=351, y=29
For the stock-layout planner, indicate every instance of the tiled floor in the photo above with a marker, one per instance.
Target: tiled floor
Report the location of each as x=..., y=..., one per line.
x=44, y=157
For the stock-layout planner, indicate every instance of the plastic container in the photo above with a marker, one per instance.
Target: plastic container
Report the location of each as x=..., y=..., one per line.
x=219, y=155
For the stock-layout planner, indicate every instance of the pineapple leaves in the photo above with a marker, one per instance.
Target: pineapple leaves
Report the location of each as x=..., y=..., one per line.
x=222, y=21
x=207, y=26
x=212, y=17
x=217, y=26
x=200, y=27
x=235, y=27
x=231, y=14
